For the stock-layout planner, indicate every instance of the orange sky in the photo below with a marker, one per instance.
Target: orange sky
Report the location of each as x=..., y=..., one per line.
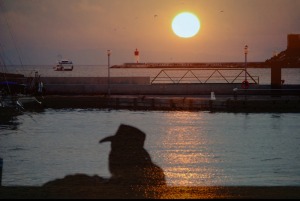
x=83, y=30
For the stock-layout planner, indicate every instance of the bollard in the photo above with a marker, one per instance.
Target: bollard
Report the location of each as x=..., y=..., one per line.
x=212, y=96
x=235, y=93
x=153, y=103
x=1, y=165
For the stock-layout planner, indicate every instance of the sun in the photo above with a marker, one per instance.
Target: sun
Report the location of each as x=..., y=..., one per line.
x=186, y=25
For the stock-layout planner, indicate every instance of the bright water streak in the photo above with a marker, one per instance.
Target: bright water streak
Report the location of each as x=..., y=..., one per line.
x=193, y=148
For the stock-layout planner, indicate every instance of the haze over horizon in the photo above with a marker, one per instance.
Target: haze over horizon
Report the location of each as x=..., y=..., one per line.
x=83, y=30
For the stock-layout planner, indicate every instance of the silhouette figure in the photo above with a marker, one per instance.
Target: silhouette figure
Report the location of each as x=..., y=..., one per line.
x=129, y=162
x=134, y=175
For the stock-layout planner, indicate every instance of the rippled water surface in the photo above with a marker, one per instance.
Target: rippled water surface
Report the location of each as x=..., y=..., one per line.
x=193, y=148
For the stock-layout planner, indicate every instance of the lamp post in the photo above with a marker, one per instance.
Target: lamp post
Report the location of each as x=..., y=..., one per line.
x=108, y=71
x=246, y=52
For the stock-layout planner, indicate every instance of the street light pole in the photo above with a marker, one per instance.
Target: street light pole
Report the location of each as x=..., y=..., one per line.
x=246, y=52
x=108, y=71
x=245, y=84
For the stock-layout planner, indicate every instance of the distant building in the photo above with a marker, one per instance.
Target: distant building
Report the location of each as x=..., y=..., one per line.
x=290, y=57
x=293, y=42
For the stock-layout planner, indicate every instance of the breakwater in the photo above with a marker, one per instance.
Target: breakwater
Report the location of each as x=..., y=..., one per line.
x=138, y=94
x=142, y=86
x=240, y=103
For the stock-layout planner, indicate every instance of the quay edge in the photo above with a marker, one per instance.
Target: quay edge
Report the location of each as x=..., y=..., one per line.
x=138, y=94
x=142, y=86
x=177, y=103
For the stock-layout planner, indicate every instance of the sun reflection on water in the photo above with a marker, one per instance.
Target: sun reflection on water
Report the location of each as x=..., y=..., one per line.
x=185, y=151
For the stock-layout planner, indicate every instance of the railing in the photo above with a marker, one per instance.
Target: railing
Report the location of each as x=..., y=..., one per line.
x=204, y=75
x=191, y=65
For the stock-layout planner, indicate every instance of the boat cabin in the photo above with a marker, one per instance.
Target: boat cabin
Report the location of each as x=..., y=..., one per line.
x=64, y=65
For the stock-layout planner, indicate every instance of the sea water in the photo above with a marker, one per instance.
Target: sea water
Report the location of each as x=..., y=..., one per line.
x=193, y=148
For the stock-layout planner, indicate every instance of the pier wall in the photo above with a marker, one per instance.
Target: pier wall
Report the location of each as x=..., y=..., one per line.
x=169, y=103
x=142, y=86
x=94, y=80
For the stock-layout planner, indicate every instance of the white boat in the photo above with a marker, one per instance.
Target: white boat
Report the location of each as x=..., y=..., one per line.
x=64, y=65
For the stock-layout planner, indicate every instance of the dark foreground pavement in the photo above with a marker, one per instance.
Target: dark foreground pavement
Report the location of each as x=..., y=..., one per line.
x=123, y=192
x=82, y=186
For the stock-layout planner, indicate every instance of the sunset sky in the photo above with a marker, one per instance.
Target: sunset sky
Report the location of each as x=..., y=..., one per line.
x=83, y=30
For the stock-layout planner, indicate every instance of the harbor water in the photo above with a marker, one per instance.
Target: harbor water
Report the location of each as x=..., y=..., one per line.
x=193, y=148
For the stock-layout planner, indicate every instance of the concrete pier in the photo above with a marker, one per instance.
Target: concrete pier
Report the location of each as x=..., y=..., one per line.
x=137, y=93
x=142, y=86
x=225, y=103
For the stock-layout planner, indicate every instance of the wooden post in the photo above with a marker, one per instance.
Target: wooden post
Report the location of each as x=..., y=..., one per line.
x=153, y=103
x=1, y=165
x=276, y=78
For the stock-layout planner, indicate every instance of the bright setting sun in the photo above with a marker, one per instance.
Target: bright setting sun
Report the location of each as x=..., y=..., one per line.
x=186, y=25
